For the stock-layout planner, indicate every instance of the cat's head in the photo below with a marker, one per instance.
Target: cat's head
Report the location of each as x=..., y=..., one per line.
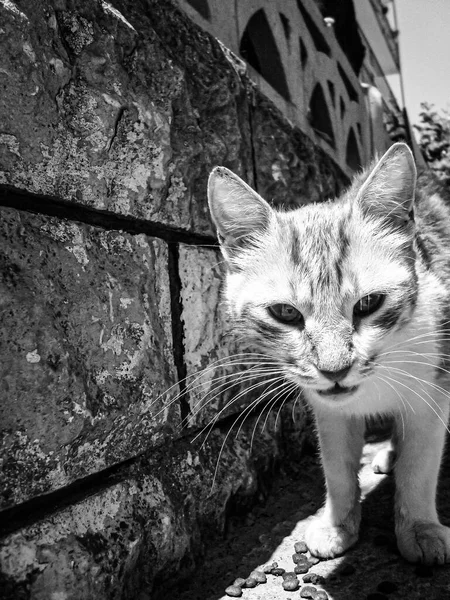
x=324, y=288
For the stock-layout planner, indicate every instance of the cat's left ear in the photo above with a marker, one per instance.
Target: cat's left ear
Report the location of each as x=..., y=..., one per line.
x=388, y=192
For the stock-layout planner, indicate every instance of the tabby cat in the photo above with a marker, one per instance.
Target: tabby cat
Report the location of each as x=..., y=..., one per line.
x=351, y=300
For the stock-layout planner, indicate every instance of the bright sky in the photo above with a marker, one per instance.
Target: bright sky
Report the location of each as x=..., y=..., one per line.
x=424, y=53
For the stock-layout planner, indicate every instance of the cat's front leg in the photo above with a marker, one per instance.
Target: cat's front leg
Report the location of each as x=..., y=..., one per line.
x=336, y=526
x=420, y=535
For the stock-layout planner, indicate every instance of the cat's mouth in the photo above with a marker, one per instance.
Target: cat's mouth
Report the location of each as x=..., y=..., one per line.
x=337, y=390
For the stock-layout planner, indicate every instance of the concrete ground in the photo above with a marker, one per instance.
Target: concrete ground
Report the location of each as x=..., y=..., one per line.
x=372, y=570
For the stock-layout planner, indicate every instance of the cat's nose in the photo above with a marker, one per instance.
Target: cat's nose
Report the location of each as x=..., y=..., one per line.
x=336, y=375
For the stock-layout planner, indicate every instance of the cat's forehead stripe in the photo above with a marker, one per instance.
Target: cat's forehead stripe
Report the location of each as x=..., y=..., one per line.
x=295, y=245
x=325, y=248
x=318, y=248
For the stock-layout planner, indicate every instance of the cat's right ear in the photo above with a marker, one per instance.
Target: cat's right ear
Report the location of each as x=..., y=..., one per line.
x=388, y=192
x=238, y=212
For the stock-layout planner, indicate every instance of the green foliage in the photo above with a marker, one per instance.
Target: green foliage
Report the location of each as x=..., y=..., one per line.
x=434, y=140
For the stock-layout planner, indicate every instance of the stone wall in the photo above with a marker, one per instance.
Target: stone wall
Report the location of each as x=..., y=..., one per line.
x=112, y=468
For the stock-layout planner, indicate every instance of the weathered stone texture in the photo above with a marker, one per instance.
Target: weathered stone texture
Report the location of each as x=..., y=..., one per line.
x=100, y=109
x=211, y=123
x=290, y=169
x=86, y=350
x=142, y=534
x=205, y=329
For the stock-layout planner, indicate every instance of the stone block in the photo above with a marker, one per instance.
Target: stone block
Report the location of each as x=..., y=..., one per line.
x=122, y=108
x=86, y=351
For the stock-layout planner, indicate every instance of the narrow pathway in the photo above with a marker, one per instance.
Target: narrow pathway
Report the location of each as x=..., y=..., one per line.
x=372, y=570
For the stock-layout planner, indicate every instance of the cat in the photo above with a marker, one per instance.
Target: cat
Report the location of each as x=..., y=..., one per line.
x=351, y=299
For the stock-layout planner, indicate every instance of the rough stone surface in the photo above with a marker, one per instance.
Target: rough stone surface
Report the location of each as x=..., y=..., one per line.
x=291, y=170
x=211, y=123
x=139, y=536
x=205, y=330
x=86, y=351
x=104, y=106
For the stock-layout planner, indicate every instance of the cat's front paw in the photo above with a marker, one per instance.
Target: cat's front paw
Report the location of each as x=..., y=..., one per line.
x=424, y=542
x=326, y=541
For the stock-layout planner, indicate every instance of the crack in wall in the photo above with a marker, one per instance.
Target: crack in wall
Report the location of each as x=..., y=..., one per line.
x=54, y=207
x=178, y=336
x=252, y=145
x=119, y=116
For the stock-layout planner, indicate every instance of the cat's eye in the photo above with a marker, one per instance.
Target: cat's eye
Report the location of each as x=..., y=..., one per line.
x=368, y=305
x=285, y=313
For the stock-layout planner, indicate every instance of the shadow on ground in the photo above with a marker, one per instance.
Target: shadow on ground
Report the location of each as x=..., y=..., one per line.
x=372, y=570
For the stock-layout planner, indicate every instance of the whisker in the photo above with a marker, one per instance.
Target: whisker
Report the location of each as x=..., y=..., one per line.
x=284, y=390
x=419, y=339
x=229, y=403
x=438, y=388
x=297, y=400
x=422, y=398
x=236, y=379
x=417, y=362
x=236, y=360
x=402, y=401
x=223, y=362
x=245, y=413
x=281, y=391
x=288, y=388
x=261, y=397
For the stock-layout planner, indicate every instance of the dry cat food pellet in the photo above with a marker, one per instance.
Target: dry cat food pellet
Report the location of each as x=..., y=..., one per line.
x=259, y=576
x=308, y=591
x=300, y=547
x=313, y=560
x=278, y=571
x=240, y=582
x=290, y=584
x=269, y=568
x=234, y=591
x=299, y=559
x=301, y=569
x=289, y=575
x=387, y=587
x=250, y=582
x=313, y=578
x=321, y=595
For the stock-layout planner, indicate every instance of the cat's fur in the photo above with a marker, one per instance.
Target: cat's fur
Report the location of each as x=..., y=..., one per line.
x=385, y=237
